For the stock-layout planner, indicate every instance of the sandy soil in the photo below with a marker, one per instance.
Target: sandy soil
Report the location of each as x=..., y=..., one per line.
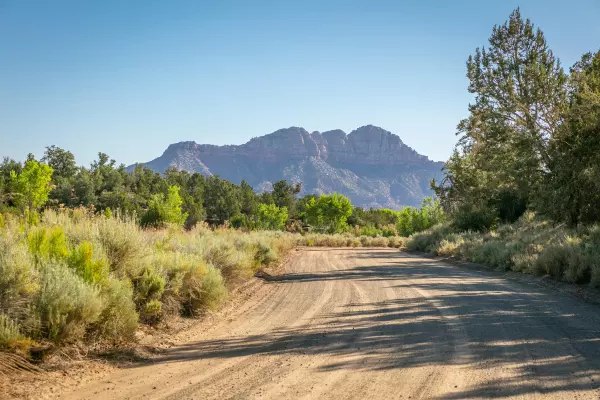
x=375, y=324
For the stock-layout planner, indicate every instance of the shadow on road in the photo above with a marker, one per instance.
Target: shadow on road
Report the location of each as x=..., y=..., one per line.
x=548, y=341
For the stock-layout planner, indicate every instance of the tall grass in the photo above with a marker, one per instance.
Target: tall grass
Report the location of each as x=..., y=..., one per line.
x=531, y=245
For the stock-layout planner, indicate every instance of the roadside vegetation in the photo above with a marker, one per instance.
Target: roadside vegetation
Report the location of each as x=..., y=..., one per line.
x=153, y=247
x=79, y=276
x=531, y=245
x=522, y=189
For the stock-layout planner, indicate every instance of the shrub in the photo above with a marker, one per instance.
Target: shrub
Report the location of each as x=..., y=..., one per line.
x=123, y=243
x=379, y=242
x=264, y=254
x=152, y=311
x=118, y=320
x=389, y=231
x=429, y=239
x=19, y=280
x=269, y=216
x=475, y=219
x=369, y=230
x=222, y=255
x=10, y=335
x=148, y=285
x=48, y=243
x=66, y=304
x=80, y=277
x=203, y=288
x=447, y=248
x=82, y=261
x=396, y=242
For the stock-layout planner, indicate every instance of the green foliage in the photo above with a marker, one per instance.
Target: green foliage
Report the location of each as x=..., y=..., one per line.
x=349, y=240
x=61, y=161
x=284, y=195
x=31, y=186
x=531, y=245
x=412, y=220
x=571, y=190
x=148, y=286
x=271, y=217
x=243, y=221
x=221, y=201
x=520, y=99
x=329, y=213
x=48, y=243
x=123, y=244
x=165, y=210
x=107, y=213
x=19, y=280
x=81, y=260
x=10, y=333
x=474, y=219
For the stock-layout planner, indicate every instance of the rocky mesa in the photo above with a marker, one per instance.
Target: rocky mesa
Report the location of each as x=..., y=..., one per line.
x=370, y=165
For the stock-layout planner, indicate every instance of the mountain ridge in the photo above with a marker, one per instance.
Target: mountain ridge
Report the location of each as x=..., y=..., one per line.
x=370, y=165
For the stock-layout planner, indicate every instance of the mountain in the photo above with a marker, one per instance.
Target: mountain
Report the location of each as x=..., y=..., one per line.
x=370, y=165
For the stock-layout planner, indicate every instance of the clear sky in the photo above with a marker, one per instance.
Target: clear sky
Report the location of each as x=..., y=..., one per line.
x=130, y=77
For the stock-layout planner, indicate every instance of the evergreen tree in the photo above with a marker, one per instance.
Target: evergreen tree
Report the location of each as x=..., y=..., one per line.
x=520, y=101
x=572, y=189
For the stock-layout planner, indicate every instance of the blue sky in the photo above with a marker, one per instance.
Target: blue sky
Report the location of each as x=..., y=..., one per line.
x=130, y=77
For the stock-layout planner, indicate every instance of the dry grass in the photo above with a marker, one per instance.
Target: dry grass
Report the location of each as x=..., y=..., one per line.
x=349, y=240
x=531, y=245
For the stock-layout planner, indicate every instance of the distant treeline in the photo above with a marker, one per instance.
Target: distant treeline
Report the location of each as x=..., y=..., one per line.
x=186, y=199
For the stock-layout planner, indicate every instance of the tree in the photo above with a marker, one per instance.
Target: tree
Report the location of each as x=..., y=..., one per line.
x=7, y=167
x=329, y=213
x=520, y=101
x=165, y=210
x=61, y=161
x=249, y=199
x=221, y=200
x=572, y=190
x=271, y=217
x=284, y=195
x=31, y=186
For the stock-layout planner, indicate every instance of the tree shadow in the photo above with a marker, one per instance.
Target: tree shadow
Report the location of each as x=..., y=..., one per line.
x=548, y=341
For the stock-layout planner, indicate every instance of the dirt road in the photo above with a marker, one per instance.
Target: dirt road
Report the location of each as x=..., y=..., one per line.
x=380, y=324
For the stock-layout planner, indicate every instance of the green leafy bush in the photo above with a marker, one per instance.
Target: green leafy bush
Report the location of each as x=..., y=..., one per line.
x=164, y=210
x=82, y=261
x=271, y=217
x=48, y=243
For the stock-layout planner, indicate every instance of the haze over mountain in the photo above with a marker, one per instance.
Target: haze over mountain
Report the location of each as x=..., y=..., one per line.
x=372, y=166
